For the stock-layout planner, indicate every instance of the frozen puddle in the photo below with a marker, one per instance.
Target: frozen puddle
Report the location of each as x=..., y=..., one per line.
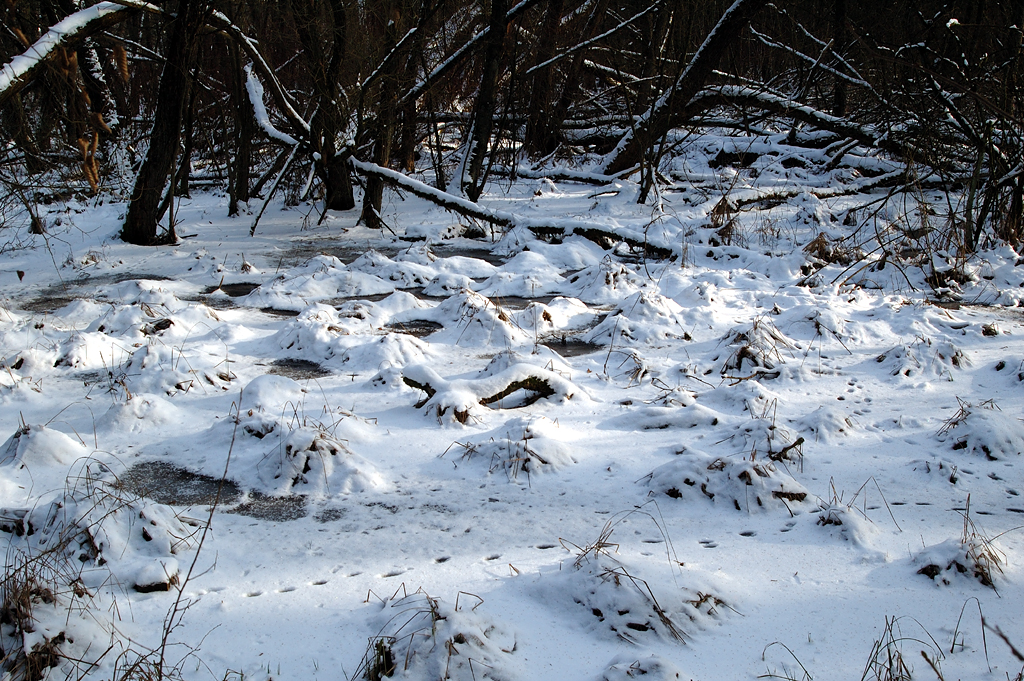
x=236, y=290
x=278, y=509
x=570, y=347
x=166, y=483
x=419, y=328
x=297, y=369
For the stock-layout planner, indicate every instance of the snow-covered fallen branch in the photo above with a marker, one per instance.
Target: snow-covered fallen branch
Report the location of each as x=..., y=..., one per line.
x=453, y=400
x=600, y=235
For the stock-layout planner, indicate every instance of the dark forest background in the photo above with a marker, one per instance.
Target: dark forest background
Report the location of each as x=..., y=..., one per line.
x=308, y=98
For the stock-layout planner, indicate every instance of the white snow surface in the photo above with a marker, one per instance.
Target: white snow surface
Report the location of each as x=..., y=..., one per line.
x=737, y=446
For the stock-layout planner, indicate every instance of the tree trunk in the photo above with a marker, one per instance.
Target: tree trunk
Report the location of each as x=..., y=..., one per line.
x=657, y=120
x=17, y=127
x=538, y=124
x=483, y=110
x=245, y=130
x=386, y=119
x=185, y=163
x=571, y=84
x=839, y=41
x=140, y=225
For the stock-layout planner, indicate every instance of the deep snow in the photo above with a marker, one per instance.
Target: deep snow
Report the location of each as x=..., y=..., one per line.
x=735, y=449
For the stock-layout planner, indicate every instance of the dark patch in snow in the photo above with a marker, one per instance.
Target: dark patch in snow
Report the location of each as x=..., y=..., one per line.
x=166, y=483
x=297, y=369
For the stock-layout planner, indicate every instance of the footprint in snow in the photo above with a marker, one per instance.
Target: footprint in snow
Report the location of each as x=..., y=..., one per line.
x=286, y=589
x=708, y=544
x=253, y=594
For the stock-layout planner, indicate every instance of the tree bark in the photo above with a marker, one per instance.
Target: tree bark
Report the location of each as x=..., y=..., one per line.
x=538, y=124
x=245, y=130
x=839, y=40
x=483, y=109
x=140, y=225
x=658, y=118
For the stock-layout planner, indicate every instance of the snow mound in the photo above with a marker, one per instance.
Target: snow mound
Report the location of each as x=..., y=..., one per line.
x=617, y=599
x=321, y=278
x=62, y=555
x=448, y=284
x=94, y=523
x=605, y=283
x=392, y=350
x=316, y=333
x=270, y=393
x=924, y=357
x=524, y=446
x=275, y=457
x=141, y=412
x=853, y=525
x=987, y=431
x=471, y=319
x=642, y=318
x=755, y=351
x=688, y=415
x=527, y=274
x=422, y=637
x=826, y=424
x=508, y=358
x=404, y=273
x=153, y=369
x=739, y=483
x=37, y=445
x=972, y=556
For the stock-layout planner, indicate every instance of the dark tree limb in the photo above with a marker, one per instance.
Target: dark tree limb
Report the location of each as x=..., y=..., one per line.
x=658, y=119
x=24, y=68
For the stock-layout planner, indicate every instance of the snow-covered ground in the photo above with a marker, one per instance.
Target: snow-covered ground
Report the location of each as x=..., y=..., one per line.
x=517, y=458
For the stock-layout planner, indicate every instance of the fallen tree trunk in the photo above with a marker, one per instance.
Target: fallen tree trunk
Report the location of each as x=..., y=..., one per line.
x=547, y=230
x=447, y=201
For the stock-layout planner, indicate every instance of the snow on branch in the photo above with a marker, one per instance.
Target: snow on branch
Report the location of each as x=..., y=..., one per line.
x=20, y=71
x=447, y=201
x=604, y=236
x=255, y=90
